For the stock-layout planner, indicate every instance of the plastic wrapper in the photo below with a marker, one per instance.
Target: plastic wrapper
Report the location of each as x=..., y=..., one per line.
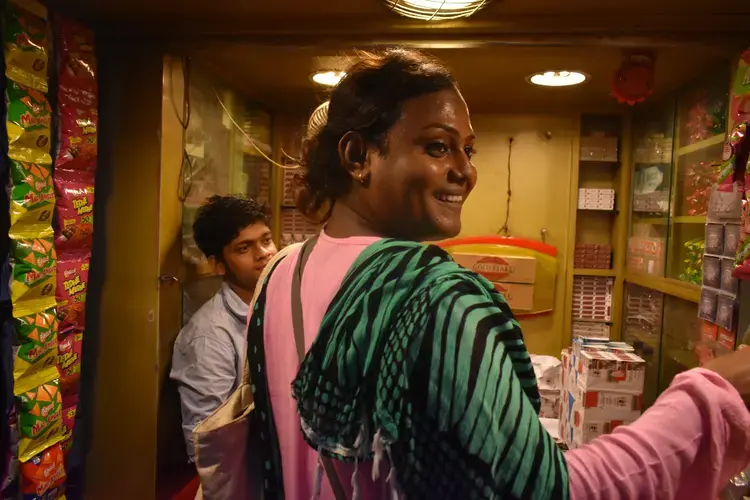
x=28, y=121
x=43, y=477
x=77, y=148
x=740, y=102
x=69, y=356
x=39, y=419
x=78, y=67
x=75, y=209
x=35, y=359
x=69, y=422
x=26, y=48
x=32, y=197
x=33, y=274
x=72, y=285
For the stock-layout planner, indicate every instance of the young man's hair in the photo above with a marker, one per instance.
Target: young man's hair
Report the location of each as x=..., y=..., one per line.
x=221, y=219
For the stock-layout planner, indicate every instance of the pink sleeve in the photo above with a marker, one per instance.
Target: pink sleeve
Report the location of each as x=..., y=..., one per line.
x=688, y=445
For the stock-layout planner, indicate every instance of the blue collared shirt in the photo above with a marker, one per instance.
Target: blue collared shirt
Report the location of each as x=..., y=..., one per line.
x=208, y=358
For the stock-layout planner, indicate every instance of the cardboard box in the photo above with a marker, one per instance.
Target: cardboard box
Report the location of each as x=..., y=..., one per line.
x=550, y=404
x=611, y=371
x=519, y=297
x=505, y=269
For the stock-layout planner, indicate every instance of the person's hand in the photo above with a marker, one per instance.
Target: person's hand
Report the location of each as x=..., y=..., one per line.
x=735, y=368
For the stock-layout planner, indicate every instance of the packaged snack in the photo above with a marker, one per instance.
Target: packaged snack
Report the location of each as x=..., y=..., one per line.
x=731, y=239
x=72, y=285
x=725, y=312
x=77, y=148
x=32, y=197
x=69, y=422
x=33, y=265
x=26, y=48
x=712, y=272
x=28, y=122
x=728, y=281
x=39, y=419
x=43, y=477
x=714, y=239
x=69, y=357
x=77, y=57
x=707, y=306
x=75, y=209
x=35, y=360
x=741, y=90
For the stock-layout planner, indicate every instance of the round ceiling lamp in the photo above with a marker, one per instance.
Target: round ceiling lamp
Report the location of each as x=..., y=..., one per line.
x=328, y=78
x=557, y=78
x=436, y=10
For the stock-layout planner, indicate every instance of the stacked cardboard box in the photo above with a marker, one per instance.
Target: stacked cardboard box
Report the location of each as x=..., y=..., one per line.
x=602, y=388
x=593, y=256
x=599, y=147
x=596, y=199
x=512, y=275
x=591, y=330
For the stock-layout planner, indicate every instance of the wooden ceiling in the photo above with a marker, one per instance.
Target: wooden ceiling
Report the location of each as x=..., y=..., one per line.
x=270, y=47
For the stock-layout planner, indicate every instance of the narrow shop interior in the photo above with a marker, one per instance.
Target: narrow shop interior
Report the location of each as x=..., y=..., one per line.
x=595, y=195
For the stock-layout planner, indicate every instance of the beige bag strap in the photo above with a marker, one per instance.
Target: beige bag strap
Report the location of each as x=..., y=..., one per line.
x=258, y=289
x=299, y=339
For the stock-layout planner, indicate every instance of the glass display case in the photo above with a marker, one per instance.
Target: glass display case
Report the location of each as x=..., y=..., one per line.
x=675, y=147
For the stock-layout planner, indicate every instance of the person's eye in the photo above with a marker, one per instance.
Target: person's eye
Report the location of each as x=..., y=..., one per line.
x=242, y=249
x=470, y=151
x=437, y=149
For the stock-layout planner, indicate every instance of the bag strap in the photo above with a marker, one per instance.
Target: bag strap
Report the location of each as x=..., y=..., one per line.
x=258, y=289
x=299, y=339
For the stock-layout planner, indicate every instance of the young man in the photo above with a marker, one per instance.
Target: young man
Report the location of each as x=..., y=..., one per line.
x=209, y=352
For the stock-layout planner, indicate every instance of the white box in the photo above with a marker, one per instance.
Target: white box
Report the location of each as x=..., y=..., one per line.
x=611, y=371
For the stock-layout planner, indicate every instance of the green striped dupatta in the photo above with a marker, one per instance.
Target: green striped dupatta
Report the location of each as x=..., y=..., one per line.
x=422, y=360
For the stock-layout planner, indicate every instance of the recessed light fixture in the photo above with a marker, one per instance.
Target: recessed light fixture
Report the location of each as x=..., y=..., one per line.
x=557, y=78
x=436, y=10
x=328, y=78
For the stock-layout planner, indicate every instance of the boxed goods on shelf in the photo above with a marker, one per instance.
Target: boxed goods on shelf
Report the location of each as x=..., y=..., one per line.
x=598, y=147
x=591, y=330
x=592, y=298
x=596, y=199
x=602, y=388
x=646, y=255
x=499, y=269
x=520, y=297
x=592, y=256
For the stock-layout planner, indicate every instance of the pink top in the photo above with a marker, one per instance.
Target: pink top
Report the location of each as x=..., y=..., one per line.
x=688, y=445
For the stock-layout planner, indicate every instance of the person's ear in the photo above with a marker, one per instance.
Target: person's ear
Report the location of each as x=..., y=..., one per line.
x=218, y=266
x=353, y=155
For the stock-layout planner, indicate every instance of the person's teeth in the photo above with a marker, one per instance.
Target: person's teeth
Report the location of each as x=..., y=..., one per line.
x=450, y=198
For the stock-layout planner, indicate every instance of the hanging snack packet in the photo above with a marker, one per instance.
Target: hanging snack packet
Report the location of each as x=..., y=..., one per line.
x=69, y=356
x=69, y=422
x=72, y=285
x=32, y=197
x=77, y=148
x=77, y=57
x=75, y=209
x=33, y=265
x=26, y=48
x=43, y=477
x=741, y=90
x=39, y=419
x=28, y=123
x=35, y=359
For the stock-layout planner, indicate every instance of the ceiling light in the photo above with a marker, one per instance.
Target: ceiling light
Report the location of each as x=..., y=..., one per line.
x=436, y=10
x=557, y=78
x=328, y=78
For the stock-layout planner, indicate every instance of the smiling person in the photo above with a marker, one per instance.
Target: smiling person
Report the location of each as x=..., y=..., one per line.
x=415, y=375
x=209, y=351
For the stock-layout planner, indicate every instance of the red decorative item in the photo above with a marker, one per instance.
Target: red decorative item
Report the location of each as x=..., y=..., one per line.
x=633, y=81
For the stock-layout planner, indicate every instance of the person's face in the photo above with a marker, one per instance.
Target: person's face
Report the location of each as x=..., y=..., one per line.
x=245, y=257
x=417, y=188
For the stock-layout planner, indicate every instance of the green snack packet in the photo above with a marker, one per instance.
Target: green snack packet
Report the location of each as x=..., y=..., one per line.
x=33, y=273
x=35, y=359
x=39, y=419
x=28, y=122
x=26, y=48
x=32, y=197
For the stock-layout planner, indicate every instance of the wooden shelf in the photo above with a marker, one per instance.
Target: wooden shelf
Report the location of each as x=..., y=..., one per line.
x=607, y=273
x=690, y=219
x=667, y=286
x=654, y=221
x=701, y=145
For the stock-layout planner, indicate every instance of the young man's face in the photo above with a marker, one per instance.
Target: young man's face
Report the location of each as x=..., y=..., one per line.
x=247, y=255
